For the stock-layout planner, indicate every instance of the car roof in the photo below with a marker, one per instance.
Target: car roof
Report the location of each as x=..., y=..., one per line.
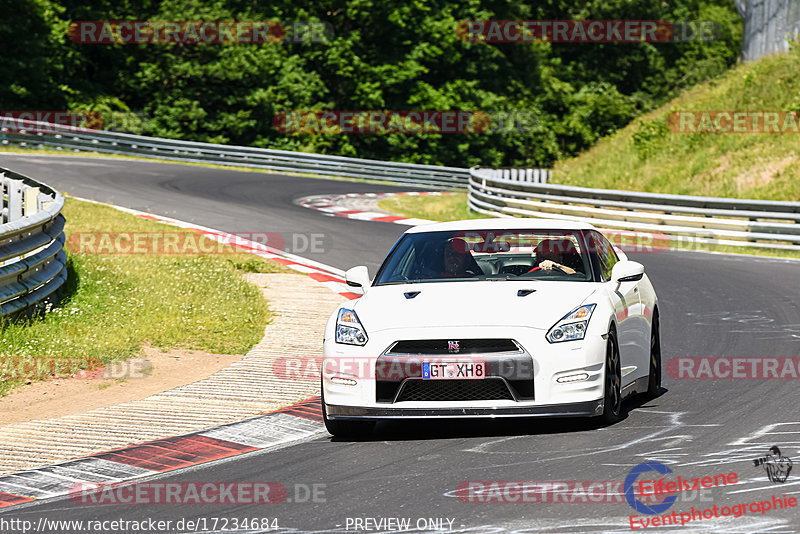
x=503, y=223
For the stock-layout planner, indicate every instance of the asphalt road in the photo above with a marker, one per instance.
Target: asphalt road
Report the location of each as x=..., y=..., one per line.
x=233, y=201
x=711, y=305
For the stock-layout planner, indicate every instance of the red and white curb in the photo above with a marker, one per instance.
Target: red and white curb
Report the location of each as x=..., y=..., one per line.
x=276, y=430
x=329, y=276
x=347, y=205
x=281, y=428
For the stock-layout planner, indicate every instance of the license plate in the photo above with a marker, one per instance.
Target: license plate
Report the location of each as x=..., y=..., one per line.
x=453, y=370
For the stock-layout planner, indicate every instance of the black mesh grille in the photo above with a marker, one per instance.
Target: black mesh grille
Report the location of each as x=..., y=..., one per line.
x=442, y=346
x=454, y=390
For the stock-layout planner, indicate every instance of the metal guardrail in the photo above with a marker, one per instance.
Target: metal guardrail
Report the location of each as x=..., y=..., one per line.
x=723, y=221
x=32, y=257
x=497, y=192
x=39, y=134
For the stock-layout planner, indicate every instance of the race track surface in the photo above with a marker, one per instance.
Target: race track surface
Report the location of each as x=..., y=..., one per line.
x=711, y=305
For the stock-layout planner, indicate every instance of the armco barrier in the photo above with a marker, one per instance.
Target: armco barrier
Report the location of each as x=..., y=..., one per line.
x=32, y=258
x=497, y=192
x=723, y=221
x=45, y=135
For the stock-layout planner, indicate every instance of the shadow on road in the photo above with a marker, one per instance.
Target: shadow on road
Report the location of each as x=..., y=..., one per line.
x=427, y=429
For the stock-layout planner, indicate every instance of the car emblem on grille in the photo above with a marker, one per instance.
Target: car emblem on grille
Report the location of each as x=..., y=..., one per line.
x=452, y=346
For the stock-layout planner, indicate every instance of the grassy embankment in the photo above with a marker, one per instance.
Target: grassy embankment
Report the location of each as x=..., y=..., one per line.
x=114, y=304
x=648, y=156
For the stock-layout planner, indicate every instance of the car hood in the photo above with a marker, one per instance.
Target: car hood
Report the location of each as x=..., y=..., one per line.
x=484, y=303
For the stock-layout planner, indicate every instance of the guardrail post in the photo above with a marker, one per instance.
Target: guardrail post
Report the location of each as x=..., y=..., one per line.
x=14, y=189
x=44, y=201
x=31, y=197
x=3, y=208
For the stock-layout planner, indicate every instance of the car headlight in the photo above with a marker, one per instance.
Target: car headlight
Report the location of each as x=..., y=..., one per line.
x=348, y=328
x=572, y=326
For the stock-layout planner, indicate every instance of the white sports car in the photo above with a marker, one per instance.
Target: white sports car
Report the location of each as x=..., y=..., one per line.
x=490, y=318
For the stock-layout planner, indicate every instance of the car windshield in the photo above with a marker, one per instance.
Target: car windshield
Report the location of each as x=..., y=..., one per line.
x=487, y=255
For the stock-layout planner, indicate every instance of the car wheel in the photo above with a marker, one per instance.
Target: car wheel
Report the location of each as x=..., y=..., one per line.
x=654, y=383
x=344, y=428
x=613, y=382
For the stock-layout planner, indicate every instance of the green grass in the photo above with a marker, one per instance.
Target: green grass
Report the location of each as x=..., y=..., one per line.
x=114, y=304
x=648, y=156
x=450, y=207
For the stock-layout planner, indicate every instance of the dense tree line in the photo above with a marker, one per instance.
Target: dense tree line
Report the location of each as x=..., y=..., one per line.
x=375, y=55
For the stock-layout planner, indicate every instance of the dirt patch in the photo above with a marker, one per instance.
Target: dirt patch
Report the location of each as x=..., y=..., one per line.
x=724, y=165
x=762, y=174
x=152, y=372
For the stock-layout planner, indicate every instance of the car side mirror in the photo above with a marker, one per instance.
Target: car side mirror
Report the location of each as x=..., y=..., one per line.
x=627, y=271
x=357, y=277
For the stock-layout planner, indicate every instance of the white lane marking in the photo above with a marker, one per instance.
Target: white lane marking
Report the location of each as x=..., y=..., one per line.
x=674, y=423
x=766, y=430
x=771, y=486
x=366, y=215
x=58, y=479
x=266, y=431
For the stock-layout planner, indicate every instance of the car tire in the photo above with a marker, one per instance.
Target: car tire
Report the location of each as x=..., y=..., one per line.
x=654, y=381
x=344, y=428
x=612, y=390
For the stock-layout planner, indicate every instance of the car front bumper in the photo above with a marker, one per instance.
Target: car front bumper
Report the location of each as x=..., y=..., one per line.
x=578, y=409
x=551, y=366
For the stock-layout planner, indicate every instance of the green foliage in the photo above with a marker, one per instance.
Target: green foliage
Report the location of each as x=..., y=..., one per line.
x=653, y=154
x=380, y=55
x=648, y=134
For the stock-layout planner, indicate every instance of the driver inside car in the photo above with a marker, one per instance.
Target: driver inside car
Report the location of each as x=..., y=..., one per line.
x=557, y=254
x=458, y=262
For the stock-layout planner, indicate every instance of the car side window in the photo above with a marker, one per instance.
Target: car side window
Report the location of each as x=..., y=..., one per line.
x=605, y=253
x=612, y=255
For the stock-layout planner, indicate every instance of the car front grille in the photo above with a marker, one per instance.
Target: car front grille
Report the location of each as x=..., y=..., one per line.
x=454, y=390
x=419, y=347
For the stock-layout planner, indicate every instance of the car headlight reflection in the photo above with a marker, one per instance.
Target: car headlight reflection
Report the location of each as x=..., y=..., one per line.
x=349, y=330
x=572, y=326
